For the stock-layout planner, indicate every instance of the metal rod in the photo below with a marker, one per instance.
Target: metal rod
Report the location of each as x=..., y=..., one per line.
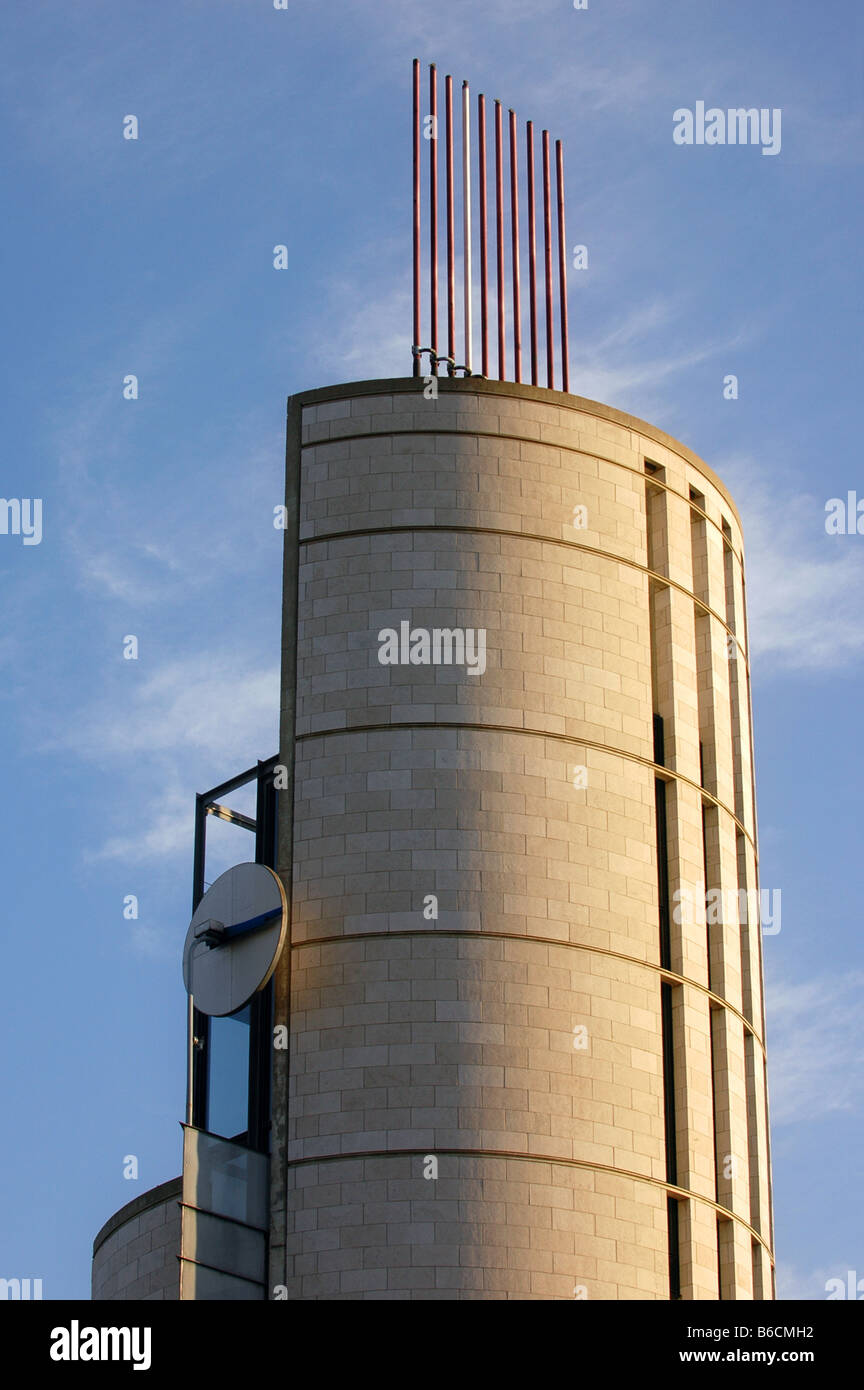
x=547, y=242
x=466, y=223
x=514, y=234
x=215, y=808
x=416, y=145
x=433, y=215
x=484, y=255
x=216, y=793
x=451, y=227
x=190, y=1056
x=499, y=235
x=197, y=1024
x=532, y=248
x=562, y=269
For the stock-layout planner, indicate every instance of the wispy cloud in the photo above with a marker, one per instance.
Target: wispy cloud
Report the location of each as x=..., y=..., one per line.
x=180, y=730
x=129, y=534
x=373, y=318
x=810, y=1285
x=805, y=588
x=619, y=365
x=163, y=829
x=209, y=703
x=815, y=1048
x=824, y=137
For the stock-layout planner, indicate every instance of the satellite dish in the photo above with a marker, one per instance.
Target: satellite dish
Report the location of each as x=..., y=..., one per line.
x=235, y=939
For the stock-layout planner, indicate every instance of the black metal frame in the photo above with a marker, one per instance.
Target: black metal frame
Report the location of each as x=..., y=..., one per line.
x=207, y=804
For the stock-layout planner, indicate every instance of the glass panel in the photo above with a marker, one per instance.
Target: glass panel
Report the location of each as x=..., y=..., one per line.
x=228, y=1078
x=222, y=1177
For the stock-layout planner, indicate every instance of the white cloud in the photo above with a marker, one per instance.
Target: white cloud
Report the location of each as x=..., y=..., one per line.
x=614, y=365
x=824, y=136
x=804, y=588
x=165, y=829
x=793, y=1283
x=632, y=383
x=134, y=543
x=214, y=704
x=131, y=572
x=815, y=1048
x=190, y=724
x=156, y=943
x=373, y=338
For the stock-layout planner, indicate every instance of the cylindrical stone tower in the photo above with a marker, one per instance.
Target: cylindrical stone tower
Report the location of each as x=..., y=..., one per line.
x=524, y=984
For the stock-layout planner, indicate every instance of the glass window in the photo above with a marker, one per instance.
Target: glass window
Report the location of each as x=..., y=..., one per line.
x=228, y=1077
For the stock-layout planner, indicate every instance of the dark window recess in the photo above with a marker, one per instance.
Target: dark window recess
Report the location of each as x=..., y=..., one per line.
x=670, y=1130
x=674, y=1249
x=714, y=1116
x=659, y=741
x=669, y=1084
x=663, y=875
x=701, y=763
x=707, y=914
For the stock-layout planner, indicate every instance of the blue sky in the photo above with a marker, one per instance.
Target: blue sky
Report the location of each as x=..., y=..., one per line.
x=155, y=257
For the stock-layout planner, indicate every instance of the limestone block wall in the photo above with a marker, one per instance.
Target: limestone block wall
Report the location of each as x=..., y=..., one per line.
x=136, y=1253
x=479, y=1090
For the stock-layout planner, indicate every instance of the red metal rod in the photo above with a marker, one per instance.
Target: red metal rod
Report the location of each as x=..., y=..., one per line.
x=416, y=143
x=514, y=232
x=451, y=227
x=562, y=269
x=433, y=214
x=467, y=287
x=484, y=257
x=499, y=233
x=532, y=248
x=547, y=241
